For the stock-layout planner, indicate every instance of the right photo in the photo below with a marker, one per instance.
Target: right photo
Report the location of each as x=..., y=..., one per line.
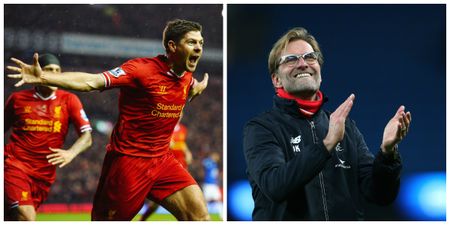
x=336, y=112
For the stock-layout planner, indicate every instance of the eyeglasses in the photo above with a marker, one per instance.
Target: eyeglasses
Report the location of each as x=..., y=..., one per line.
x=291, y=60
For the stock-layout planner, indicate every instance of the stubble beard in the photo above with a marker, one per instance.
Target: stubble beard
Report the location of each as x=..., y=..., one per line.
x=303, y=87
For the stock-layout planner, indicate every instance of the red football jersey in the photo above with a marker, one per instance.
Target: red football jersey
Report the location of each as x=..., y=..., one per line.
x=178, y=143
x=150, y=103
x=39, y=123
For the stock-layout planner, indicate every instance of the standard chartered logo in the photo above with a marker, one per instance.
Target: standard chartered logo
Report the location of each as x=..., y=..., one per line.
x=167, y=111
x=161, y=106
x=42, y=125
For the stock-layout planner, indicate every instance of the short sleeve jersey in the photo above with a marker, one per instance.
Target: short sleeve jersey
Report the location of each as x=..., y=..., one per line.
x=151, y=100
x=40, y=123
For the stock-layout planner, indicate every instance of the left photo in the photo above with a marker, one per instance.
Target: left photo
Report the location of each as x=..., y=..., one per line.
x=113, y=112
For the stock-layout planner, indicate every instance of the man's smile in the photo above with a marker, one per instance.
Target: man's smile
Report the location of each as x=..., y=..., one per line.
x=302, y=75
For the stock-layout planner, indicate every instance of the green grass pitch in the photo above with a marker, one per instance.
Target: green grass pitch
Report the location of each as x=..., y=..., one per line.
x=87, y=217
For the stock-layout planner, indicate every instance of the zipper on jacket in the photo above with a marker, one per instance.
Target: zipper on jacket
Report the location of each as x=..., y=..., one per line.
x=313, y=130
x=321, y=180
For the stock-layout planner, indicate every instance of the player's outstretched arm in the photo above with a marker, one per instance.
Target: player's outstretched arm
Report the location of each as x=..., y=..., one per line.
x=198, y=87
x=33, y=74
x=63, y=157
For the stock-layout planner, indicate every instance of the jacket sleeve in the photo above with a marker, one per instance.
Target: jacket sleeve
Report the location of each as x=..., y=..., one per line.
x=267, y=165
x=379, y=177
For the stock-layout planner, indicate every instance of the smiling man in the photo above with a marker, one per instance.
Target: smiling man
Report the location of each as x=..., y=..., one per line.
x=304, y=163
x=153, y=91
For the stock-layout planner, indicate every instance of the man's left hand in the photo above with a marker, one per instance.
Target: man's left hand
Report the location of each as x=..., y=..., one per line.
x=395, y=130
x=198, y=87
x=60, y=157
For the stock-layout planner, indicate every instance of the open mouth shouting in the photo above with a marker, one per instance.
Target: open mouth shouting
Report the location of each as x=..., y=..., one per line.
x=193, y=60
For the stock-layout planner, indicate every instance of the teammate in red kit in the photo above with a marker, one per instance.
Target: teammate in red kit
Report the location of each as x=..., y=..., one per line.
x=39, y=119
x=181, y=152
x=179, y=146
x=153, y=92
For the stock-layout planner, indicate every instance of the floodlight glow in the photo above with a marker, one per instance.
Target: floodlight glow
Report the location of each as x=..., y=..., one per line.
x=422, y=196
x=240, y=201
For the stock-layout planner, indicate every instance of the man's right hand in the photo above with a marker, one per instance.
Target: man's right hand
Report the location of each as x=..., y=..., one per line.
x=28, y=74
x=336, y=128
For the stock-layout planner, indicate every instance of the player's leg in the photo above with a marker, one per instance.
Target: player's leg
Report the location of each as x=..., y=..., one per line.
x=151, y=208
x=187, y=204
x=26, y=213
x=213, y=197
x=178, y=192
x=122, y=187
x=217, y=201
x=18, y=196
x=21, y=213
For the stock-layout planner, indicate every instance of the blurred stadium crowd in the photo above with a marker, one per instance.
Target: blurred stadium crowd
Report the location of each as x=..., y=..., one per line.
x=77, y=182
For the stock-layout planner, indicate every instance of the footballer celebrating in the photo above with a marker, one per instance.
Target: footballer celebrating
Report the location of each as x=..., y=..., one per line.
x=39, y=119
x=153, y=92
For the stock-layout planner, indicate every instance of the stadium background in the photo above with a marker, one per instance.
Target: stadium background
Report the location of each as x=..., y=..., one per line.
x=96, y=38
x=387, y=55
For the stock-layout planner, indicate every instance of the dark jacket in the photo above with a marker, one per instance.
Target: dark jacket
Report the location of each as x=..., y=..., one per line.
x=294, y=177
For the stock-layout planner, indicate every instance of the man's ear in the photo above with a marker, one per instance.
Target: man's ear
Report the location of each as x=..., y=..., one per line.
x=172, y=46
x=276, y=81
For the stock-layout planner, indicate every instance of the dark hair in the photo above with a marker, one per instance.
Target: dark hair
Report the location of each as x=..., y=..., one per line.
x=47, y=59
x=176, y=29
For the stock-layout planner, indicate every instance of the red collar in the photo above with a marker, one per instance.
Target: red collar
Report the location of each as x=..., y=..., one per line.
x=306, y=108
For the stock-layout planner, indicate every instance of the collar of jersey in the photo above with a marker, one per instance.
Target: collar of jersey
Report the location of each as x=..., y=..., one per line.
x=51, y=97
x=173, y=74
